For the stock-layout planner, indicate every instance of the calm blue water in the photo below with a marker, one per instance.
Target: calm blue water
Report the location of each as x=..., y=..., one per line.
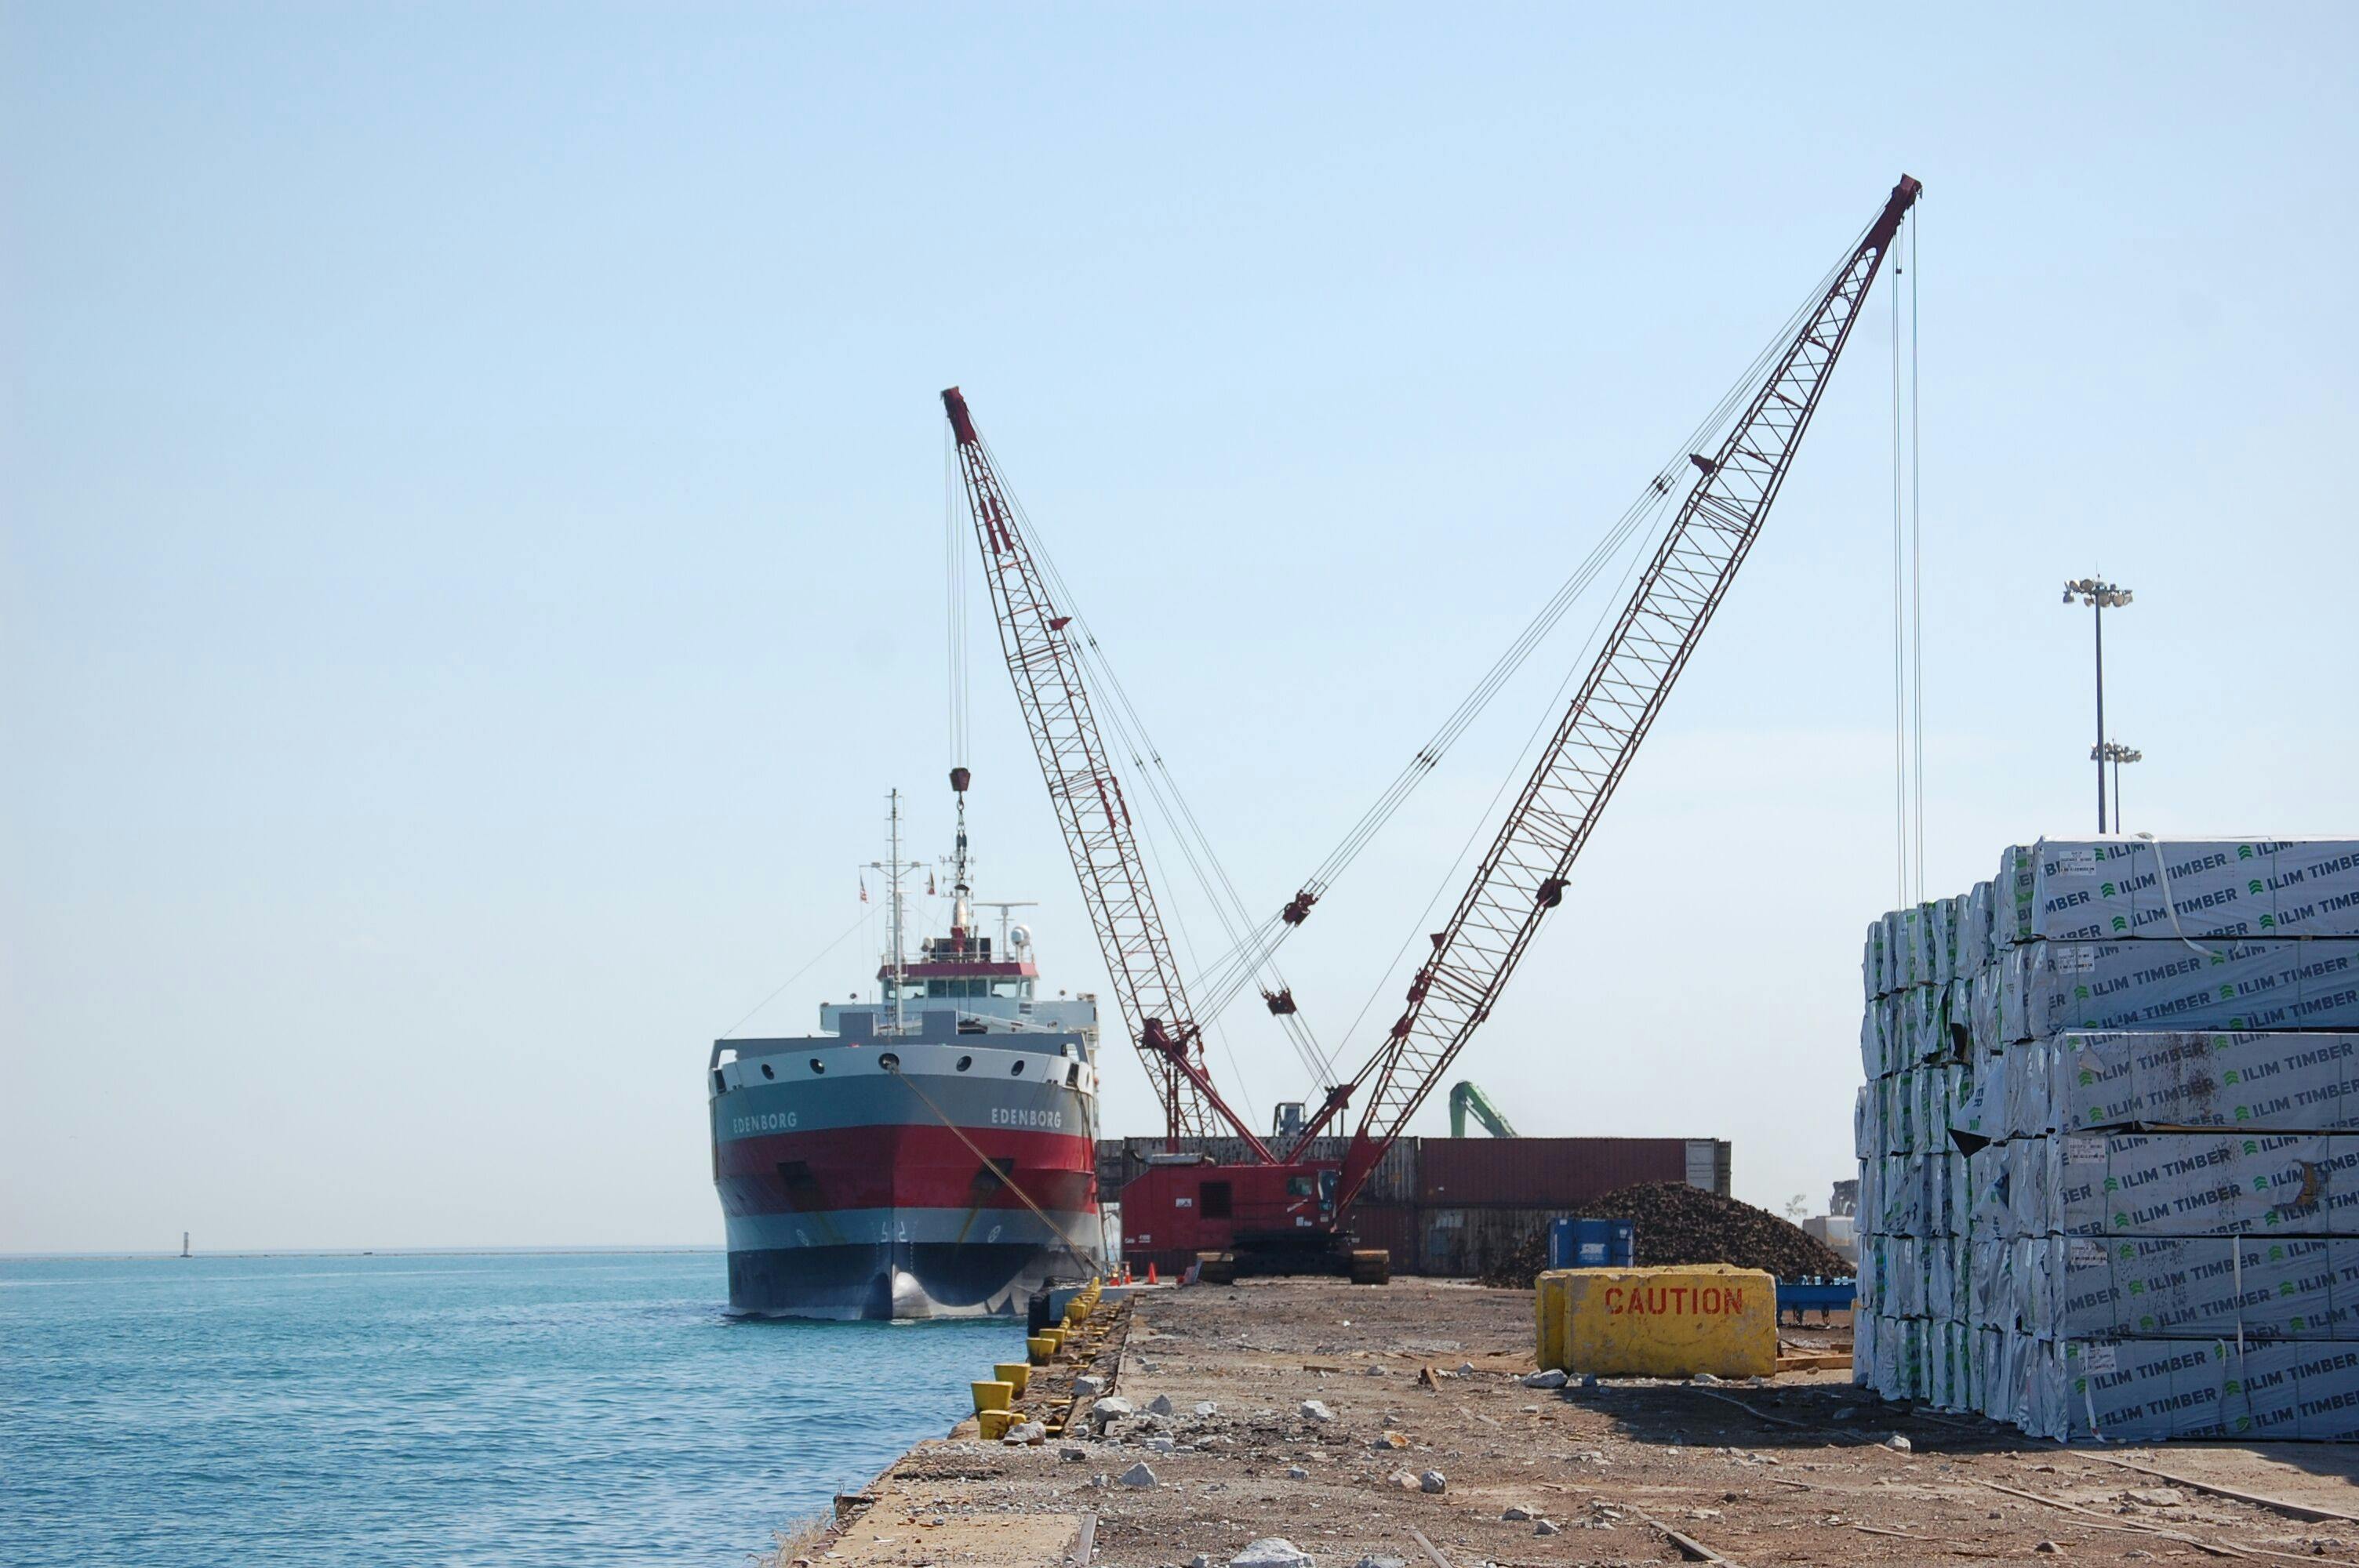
x=476, y=1409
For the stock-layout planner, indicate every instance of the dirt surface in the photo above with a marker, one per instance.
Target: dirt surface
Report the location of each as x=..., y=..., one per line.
x=1799, y=1470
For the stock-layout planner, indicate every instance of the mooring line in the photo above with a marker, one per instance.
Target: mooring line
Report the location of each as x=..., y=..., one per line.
x=989, y=1164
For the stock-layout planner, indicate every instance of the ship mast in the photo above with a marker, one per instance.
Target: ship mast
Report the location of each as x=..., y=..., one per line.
x=893, y=868
x=898, y=973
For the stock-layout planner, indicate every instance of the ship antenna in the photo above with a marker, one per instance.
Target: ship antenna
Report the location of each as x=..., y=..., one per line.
x=899, y=971
x=891, y=869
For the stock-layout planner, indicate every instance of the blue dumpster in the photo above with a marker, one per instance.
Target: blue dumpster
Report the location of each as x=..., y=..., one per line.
x=1591, y=1243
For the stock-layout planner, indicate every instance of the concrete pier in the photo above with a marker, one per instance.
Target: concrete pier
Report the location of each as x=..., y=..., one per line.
x=1393, y=1426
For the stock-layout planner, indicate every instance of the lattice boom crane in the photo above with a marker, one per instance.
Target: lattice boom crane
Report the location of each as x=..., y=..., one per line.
x=1522, y=877
x=1289, y=1211
x=1089, y=807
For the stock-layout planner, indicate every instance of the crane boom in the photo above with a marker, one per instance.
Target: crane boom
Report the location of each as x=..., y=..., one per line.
x=1523, y=875
x=1090, y=806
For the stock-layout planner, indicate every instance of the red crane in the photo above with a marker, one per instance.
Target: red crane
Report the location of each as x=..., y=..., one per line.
x=1523, y=876
x=1289, y=1213
x=1090, y=806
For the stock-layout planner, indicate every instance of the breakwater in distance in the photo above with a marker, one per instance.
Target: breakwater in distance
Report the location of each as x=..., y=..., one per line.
x=453, y=1408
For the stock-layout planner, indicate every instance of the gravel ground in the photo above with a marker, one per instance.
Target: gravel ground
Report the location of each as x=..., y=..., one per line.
x=1803, y=1470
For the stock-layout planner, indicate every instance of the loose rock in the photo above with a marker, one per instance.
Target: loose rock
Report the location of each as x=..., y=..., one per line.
x=1138, y=1474
x=1160, y=1405
x=1545, y=1528
x=1433, y=1481
x=1551, y=1378
x=1276, y=1552
x=1207, y=1406
x=1517, y=1512
x=1898, y=1444
x=1677, y=1224
x=1025, y=1433
x=1316, y=1409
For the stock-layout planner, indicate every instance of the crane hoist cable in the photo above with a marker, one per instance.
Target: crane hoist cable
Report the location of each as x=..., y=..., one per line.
x=1220, y=985
x=1908, y=593
x=1094, y=815
x=954, y=565
x=1917, y=547
x=1250, y=957
x=1121, y=717
x=1523, y=875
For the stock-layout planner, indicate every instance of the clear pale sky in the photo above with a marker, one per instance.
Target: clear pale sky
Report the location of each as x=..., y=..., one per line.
x=471, y=507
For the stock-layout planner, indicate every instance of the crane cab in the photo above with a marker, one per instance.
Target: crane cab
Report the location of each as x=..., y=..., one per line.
x=1238, y=1219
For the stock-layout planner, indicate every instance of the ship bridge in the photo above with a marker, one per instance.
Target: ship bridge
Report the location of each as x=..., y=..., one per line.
x=991, y=989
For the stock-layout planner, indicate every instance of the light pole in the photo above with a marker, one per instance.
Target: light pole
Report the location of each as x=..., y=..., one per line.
x=2099, y=596
x=2114, y=752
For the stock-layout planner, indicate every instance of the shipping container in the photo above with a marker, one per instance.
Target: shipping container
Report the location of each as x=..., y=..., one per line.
x=1562, y=1172
x=1586, y=1243
x=1392, y=1227
x=1458, y=1243
x=1453, y=1206
x=1120, y=1160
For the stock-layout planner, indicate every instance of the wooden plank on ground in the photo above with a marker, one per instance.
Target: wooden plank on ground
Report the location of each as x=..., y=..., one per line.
x=1693, y=1549
x=2257, y=1499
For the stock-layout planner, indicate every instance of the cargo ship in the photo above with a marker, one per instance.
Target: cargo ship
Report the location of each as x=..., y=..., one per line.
x=932, y=1152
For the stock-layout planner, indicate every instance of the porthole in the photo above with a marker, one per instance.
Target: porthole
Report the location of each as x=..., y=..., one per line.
x=1017, y=1070
x=890, y=1061
x=817, y=1067
x=964, y=1062
x=767, y=1071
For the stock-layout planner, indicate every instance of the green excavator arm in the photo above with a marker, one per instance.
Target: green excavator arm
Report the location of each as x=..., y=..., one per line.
x=1468, y=1097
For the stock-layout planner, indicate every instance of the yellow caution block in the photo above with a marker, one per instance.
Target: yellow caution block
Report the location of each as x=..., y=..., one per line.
x=1548, y=1314
x=1659, y=1322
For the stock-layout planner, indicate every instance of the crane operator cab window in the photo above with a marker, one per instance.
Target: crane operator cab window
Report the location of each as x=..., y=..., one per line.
x=1212, y=1198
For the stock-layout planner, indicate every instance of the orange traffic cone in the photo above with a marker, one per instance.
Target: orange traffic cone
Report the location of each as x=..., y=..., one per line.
x=1150, y=1273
